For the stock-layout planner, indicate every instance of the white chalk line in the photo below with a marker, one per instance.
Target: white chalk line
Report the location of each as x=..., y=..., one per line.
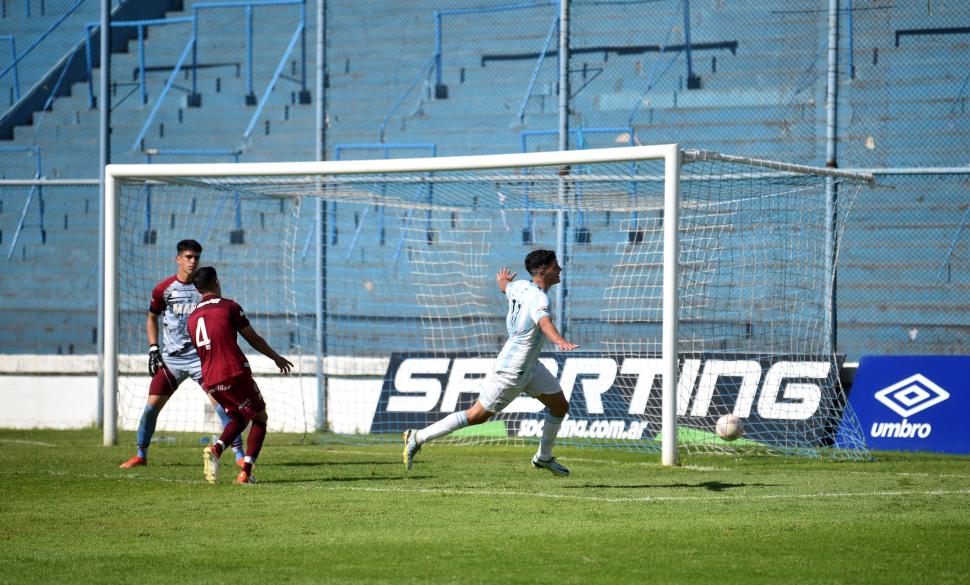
x=26, y=442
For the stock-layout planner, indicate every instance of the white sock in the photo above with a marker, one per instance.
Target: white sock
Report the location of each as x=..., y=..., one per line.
x=550, y=430
x=449, y=424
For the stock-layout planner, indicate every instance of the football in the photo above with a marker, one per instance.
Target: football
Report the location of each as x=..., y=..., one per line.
x=729, y=427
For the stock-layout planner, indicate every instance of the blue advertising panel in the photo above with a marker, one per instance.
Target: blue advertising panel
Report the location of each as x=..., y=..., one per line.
x=914, y=403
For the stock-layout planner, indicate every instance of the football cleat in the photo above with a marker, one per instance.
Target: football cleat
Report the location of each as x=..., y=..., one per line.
x=210, y=462
x=411, y=447
x=135, y=461
x=551, y=464
x=240, y=462
x=245, y=478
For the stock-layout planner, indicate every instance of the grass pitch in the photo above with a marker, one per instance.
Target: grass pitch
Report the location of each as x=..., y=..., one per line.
x=351, y=514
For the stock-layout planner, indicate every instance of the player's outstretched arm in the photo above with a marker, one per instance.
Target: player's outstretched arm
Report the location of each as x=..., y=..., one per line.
x=552, y=334
x=260, y=345
x=503, y=278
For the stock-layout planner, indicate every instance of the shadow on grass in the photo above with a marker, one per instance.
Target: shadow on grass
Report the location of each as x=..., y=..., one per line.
x=713, y=486
x=286, y=463
x=331, y=463
x=324, y=480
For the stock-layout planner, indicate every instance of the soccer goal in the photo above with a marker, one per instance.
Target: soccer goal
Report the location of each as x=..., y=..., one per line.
x=696, y=284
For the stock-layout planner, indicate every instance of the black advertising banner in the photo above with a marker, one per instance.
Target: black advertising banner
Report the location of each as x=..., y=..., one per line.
x=781, y=398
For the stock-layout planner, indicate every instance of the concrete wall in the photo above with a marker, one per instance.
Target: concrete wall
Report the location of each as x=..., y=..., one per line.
x=36, y=393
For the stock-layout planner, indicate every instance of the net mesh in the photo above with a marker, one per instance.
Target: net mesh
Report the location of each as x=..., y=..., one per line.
x=413, y=319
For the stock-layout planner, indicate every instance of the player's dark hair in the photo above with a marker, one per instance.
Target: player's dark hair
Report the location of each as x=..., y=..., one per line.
x=539, y=259
x=188, y=245
x=204, y=278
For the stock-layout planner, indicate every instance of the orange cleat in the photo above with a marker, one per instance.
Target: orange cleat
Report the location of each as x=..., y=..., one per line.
x=135, y=461
x=240, y=462
x=245, y=478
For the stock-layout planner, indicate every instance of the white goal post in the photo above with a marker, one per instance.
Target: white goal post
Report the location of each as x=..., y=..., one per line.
x=601, y=184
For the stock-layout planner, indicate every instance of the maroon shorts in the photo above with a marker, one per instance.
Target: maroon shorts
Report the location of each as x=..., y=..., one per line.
x=173, y=372
x=163, y=383
x=239, y=395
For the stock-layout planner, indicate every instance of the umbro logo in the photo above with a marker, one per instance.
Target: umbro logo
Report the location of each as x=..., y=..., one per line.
x=912, y=395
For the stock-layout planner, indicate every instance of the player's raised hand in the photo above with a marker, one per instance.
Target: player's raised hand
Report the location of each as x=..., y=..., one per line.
x=283, y=364
x=505, y=275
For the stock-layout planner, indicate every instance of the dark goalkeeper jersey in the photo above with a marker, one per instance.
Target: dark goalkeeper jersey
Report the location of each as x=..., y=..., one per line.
x=213, y=326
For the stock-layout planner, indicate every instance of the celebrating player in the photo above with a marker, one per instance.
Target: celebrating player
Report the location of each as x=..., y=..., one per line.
x=516, y=368
x=226, y=375
x=173, y=298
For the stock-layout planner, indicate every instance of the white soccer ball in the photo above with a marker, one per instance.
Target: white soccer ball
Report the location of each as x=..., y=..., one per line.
x=729, y=427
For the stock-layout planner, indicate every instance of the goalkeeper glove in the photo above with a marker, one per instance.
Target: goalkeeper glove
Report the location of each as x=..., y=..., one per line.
x=154, y=359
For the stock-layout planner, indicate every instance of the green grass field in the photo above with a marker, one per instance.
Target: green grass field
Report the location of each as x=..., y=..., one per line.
x=351, y=514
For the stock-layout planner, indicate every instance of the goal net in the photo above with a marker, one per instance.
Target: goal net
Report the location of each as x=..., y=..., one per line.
x=377, y=278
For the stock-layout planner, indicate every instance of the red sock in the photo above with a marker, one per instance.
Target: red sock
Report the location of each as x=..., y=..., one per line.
x=247, y=467
x=229, y=434
x=257, y=432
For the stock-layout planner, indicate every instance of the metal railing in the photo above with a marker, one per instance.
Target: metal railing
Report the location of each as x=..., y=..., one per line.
x=249, y=6
x=428, y=149
x=441, y=90
x=236, y=237
x=14, y=60
x=578, y=140
x=18, y=57
x=35, y=188
x=427, y=68
x=140, y=25
x=191, y=50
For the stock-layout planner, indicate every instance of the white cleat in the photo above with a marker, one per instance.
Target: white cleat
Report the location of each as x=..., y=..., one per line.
x=411, y=447
x=551, y=464
x=211, y=464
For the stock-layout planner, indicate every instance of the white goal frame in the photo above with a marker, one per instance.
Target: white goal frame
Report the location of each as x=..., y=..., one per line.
x=670, y=154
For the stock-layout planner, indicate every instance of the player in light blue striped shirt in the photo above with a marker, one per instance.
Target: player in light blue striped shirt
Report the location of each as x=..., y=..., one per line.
x=517, y=369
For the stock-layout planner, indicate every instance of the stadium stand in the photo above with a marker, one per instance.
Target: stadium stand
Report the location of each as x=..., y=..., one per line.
x=761, y=93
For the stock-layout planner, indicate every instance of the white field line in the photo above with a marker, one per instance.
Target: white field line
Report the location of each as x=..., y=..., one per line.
x=26, y=442
x=517, y=494
x=948, y=475
x=914, y=474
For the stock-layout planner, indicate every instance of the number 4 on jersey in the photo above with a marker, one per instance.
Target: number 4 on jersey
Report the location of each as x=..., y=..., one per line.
x=201, y=335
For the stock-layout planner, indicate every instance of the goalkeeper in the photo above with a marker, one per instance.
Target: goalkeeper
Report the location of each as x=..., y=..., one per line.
x=172, y=299
x=516, y=368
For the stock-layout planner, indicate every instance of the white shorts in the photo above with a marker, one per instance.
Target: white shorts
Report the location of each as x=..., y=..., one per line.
x=501, y=388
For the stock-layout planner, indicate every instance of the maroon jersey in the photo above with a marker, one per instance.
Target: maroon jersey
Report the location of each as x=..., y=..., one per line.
x=213, y=326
